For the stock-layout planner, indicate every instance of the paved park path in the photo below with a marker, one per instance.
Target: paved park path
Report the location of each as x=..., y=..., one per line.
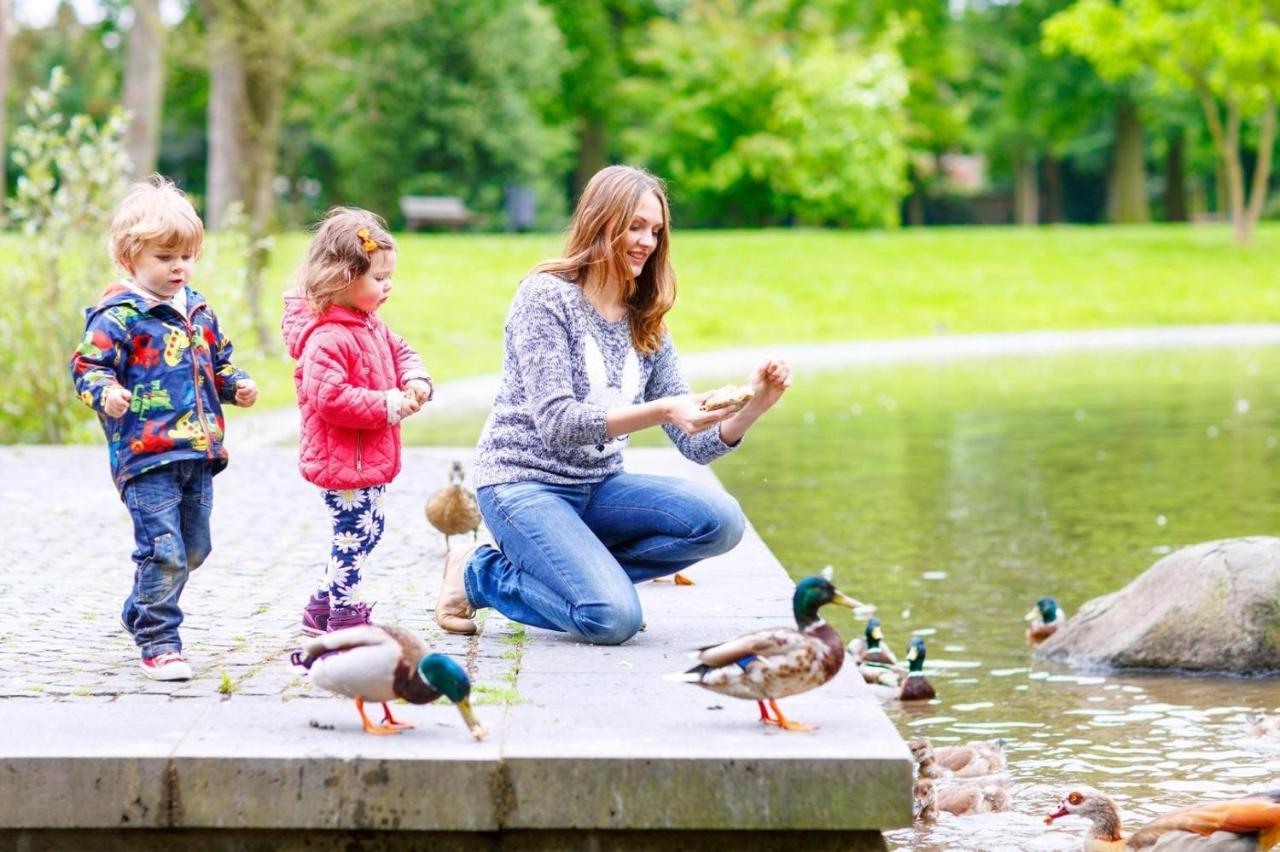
x=583, y=737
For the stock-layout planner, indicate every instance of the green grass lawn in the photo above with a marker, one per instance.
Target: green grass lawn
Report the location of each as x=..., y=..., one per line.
x=801, y=286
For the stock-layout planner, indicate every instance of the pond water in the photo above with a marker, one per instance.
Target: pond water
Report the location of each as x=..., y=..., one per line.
x=953, y=495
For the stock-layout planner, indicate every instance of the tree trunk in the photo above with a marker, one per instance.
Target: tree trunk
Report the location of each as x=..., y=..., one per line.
x=226, y=116
x=1175, y=185
x=6, y=33
x=1052, y=177
x=1226, y=139
x=1026, y=190
x=144, y=85
x=1261, y=168
x=592, y=154
x=267, y=84
x=1128, y=184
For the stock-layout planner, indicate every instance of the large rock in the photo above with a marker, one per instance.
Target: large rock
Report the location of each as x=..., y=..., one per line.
x=1212, y=607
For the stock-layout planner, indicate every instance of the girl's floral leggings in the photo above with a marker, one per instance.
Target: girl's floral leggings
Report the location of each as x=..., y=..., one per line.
x=358, y=520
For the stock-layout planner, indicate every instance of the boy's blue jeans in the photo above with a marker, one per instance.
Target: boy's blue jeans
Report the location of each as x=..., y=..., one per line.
x=170, y=507
x=570, y=554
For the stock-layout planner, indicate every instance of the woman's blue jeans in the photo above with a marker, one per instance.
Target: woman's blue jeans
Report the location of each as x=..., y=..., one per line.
x=570, y=554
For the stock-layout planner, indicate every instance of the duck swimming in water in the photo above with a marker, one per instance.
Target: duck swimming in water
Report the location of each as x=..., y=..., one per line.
x=1238, y=825
x=1045, y=617
x=916, y=687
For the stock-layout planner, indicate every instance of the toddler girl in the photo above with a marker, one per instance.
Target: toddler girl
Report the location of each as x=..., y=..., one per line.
x=356, y=379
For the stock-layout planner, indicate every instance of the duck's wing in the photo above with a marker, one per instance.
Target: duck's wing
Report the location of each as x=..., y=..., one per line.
x=762, y=643
x=341, y=640
x=411, y=646
x=360, y=671
x=1259, y=816
x=857, y=648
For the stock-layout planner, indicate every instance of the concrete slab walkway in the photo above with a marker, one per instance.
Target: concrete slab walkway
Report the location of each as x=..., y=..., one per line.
x=585, y=739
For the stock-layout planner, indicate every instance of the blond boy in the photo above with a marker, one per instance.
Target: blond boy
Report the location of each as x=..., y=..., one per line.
x=156, y=368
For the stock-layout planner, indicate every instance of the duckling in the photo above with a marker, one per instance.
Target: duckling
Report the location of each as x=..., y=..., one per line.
x=1236, y=825
x=381, y=662
x=453, y=510
x=1264, y=726
x=989, y=796
x=770, y=664
x=971, y=760
x=1045, y=617
x=916, y=687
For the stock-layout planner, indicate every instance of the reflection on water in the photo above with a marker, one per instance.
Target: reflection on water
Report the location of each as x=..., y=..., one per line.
x=953, y=496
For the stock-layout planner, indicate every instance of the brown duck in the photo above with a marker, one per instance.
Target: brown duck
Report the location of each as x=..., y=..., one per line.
x=453, y=509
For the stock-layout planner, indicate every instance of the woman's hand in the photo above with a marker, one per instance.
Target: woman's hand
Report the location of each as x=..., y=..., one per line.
x=770, y=381
x=685, y=413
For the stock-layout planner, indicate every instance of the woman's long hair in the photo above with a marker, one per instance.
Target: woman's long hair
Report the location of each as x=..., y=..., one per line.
x=594, y=253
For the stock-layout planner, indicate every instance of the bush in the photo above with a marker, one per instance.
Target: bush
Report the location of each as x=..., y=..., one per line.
x=72, y=172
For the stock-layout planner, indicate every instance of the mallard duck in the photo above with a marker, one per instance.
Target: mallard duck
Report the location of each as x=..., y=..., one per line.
x=916, y=687
x=1045, y=617
x=962, y=798
x=971, y=760
x=1236, y=825
x=380, y=663
x=876, y=662
x=1264, y=726
x=453, y=509
x=770, y=664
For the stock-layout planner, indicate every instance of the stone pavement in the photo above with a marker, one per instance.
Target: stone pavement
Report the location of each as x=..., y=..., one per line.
x=584, y=738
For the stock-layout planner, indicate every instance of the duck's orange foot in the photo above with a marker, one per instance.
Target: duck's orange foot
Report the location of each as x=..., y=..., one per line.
x=785, y=723
x=391, y=722
x=682, y=580
x=393, y=728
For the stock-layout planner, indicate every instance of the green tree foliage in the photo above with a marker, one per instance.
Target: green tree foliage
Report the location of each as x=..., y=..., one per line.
x=767, y=112
x=440, y=98
x=938, y=103
x=599, y=39
x=1225, y=51
x=71, y=170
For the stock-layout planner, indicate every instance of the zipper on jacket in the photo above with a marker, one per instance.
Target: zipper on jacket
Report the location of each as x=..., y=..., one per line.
x=359, y=459
x=195, y=369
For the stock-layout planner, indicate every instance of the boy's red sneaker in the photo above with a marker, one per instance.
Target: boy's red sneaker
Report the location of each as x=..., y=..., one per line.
x=168, y=666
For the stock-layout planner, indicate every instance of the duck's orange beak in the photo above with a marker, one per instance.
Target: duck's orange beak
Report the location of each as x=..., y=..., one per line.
x=1060, y=812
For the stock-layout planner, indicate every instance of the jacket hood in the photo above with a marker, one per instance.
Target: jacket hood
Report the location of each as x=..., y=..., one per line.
x=299, y=322
x=117, y=293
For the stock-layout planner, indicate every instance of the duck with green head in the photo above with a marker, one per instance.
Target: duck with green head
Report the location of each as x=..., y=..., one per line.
x=380, y=663
x=876, y=662
x=770, y=664
x=1045, y=617
x=916, y=687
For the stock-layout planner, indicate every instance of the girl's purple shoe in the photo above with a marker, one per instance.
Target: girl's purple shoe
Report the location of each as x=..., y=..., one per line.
x=315, y=616
x=342, y=617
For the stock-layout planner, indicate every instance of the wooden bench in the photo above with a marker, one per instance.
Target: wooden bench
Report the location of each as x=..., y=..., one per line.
x=422, y=211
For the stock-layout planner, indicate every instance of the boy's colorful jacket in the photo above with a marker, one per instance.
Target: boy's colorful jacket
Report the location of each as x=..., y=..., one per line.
x=347, y=362
x=178, y=369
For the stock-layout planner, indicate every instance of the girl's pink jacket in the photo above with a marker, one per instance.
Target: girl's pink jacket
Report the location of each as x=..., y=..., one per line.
x=347, y=361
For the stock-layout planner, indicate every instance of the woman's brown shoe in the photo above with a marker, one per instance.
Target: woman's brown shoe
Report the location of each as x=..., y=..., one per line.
x=453, y=610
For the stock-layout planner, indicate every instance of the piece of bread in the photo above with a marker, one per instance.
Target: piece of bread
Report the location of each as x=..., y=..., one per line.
x=729, y=396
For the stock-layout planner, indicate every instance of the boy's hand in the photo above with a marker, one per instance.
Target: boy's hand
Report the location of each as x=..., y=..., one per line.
x=115, y=401
x=246, y=393
x=421, y=391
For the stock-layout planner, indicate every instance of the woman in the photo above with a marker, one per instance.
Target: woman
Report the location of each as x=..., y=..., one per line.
x=587, y=362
